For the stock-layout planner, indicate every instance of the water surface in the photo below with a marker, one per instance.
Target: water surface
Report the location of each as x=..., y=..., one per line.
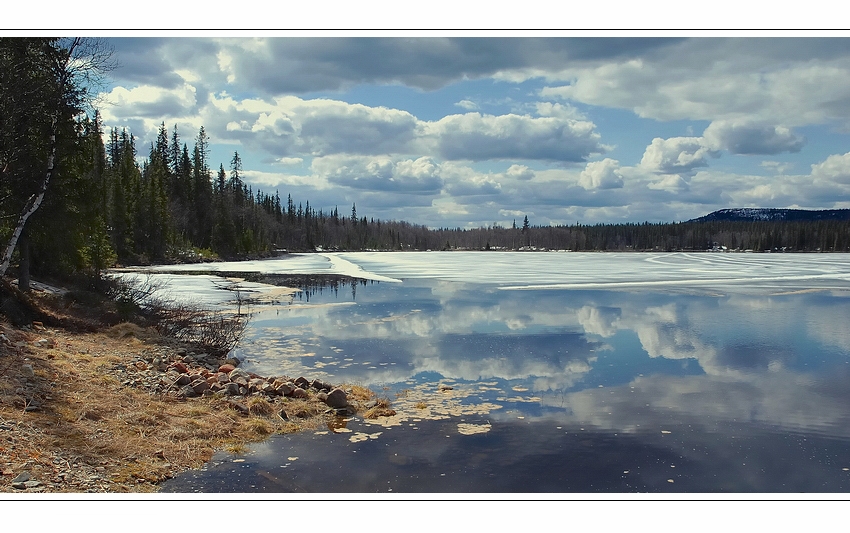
x=606, y=372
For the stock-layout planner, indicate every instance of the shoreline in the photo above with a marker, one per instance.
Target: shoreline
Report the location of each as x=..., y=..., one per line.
x=87, y=412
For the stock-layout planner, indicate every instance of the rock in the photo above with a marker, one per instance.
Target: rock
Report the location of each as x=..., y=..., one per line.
x=188, y=392
x=188, y=359
x=239, y=373
x=232, y=361
x=282, y=414
x=299, y=393
x=180, y=367
x=45, y=343
x=32, y=484
x=284, y=389
x=231, y=389
x=302, y=382
x=200, y=387
x=337, y=399
x=141, y=365
x=27, y=371
x=226, y=368
x=322, y=396
x=22, y=477
x=255, y=384
x=38, y=326
x=320, y=385
x=183, y=379
x=240, y=407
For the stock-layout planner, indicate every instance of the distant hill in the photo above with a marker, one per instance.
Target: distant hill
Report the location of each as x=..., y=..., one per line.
x=770, y=214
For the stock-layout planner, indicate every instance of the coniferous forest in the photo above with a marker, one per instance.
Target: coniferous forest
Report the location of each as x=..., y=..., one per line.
x=77, y=199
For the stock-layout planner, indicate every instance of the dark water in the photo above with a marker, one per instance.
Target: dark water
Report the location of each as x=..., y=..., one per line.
x=557, y=391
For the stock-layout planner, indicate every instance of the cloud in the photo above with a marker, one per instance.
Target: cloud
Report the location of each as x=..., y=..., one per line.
x=146, y=101
x=297, y=65
x=552, y=109
x=289, y=160
x=789, y=81
x=292, y=127
x=746, y=138
x=464, y=181
x=276, y=179
x=677, y=155
x=467, y=104
x=420, y=176
x=835, y=169
x=519, y=172
x=777, y=166
x=477, y=137
x=603, y=174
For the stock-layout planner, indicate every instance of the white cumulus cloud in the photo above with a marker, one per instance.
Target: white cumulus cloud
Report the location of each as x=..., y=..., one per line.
x=603, y=174
x=677, y=155
x=477, y=137
x=740, y=137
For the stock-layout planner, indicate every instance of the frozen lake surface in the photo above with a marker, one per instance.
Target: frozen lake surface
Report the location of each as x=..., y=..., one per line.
x=605, y=372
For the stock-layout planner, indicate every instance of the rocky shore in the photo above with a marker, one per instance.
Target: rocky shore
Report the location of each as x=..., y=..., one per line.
x=190, y=375
x=124, y=409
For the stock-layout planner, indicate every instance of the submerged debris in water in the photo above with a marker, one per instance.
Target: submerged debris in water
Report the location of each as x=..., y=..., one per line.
x=422, y=402
x=473, y=429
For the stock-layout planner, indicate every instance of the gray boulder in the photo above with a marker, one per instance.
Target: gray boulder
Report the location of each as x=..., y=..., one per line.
x=337, y=399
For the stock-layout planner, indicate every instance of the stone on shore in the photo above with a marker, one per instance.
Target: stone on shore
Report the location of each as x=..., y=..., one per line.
x=337, y=398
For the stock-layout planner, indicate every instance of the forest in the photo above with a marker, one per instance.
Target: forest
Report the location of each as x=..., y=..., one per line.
x=75, y=199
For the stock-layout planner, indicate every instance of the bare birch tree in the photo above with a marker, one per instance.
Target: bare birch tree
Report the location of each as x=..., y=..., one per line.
x=75, y=70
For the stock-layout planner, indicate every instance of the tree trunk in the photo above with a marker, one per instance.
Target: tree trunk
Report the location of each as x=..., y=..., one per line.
x=24, y=267
x=32, y=204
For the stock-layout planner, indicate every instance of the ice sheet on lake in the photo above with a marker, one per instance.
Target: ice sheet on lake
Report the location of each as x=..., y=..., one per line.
x=326, y=263
x=535, y=270
x=203, y=289
x=287, y=264
x=529, y=270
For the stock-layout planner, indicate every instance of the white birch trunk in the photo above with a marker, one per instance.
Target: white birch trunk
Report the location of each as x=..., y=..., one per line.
x=31, y=206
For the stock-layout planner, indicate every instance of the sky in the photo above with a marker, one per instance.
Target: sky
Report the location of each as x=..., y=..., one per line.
x=468, y=131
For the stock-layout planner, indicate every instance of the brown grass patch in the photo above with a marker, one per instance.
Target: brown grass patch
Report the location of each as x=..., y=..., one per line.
x=382, y=408
x=258, y=405
x=91, y=433
x=359, y=393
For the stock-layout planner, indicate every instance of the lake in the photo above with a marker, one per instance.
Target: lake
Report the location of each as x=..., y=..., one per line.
x=535, y=372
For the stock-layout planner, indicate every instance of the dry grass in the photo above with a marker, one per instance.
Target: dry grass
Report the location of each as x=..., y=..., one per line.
x=360, y=393
x=88, y=423
x=382, y=408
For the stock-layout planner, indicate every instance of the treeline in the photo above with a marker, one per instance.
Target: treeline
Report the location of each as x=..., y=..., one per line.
x=173, y=207
x=758, y=236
